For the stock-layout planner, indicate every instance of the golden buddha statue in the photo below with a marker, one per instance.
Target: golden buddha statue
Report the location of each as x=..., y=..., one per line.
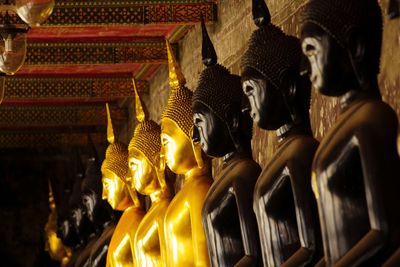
x=148, y=179
x=186, y=241
x=114, y=170
x=54, y=245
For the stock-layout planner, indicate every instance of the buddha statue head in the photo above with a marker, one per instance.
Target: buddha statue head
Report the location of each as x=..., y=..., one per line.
x=144, y=153
x=114, y=169
x=220, y=125
x=342, y=41
x=271, y=80
x=181, y=154
x=97, y=209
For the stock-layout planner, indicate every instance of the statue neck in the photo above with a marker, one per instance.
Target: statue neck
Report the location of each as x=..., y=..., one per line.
x=103, y=219
x=354, y=95
x=158, y=195
x=197, y=172
x=290, y=129
x=235, y=155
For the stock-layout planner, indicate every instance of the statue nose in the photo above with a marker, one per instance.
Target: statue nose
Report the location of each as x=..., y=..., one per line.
x=245, y=106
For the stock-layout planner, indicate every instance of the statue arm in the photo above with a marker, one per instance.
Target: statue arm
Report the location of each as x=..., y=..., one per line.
x=300, y=257
x=306, y=212
x=370, y=243
x=378, y=157
x=200, y=251
x=249, y=230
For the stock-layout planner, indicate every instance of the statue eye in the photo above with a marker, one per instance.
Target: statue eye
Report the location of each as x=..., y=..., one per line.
x=310, y=46
x=248, y=90
x=197, y=121
x=164, y=141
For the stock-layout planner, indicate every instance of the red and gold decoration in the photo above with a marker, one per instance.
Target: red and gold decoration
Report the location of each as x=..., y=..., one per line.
x=84, y=55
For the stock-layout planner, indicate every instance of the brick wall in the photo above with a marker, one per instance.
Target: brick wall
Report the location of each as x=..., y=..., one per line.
x=230, y=35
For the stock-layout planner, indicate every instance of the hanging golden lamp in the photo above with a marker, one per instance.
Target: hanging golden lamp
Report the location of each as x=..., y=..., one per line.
x=34, y=12
x=12, y=45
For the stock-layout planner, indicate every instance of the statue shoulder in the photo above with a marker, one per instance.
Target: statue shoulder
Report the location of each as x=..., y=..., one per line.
x=378, y=117
x=302, y=148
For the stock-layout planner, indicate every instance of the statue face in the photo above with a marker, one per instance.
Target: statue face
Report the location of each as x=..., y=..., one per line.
x=144, y=178
x=177, y=147
x=331, y=69
x=77, y=217
x=66, y=233
x=211, y=131
x=90, y=201
x=113, y=189
x=268, y=108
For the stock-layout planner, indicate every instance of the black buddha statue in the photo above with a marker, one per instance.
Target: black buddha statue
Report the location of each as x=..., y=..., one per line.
x=65, y=230
x=81, y=224
x=279, y=98
x=394, y=9
x=68, y=235
x=223, y=131
x=98, y=211
x=356, y=167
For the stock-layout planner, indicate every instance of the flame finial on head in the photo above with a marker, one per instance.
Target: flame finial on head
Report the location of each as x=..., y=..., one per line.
x=140, y=108
x=52, y=202
x=110, y=129
x=176, y=78
x=208, y=54
x=261, y=14
x=92, y=149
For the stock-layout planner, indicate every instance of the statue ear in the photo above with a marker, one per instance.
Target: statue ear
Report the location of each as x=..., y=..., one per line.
x=356, y=45
x=233, y=120
x=357, y=52
x=288, y=83
x=197, y=151
x=233, y=126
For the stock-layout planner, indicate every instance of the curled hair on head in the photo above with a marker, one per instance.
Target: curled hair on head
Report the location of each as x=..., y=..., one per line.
x=260, y=12
x=217, y=89
x=342, y=19
x=277, y=57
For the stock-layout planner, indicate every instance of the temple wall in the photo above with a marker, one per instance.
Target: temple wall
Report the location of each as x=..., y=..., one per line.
x=230, y=35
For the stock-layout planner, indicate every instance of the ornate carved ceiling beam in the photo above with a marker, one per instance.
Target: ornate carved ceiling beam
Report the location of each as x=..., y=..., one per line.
x=117, y=12
x=106, y=33
x=139, y=71
x=151, y=51
x=35, y=91
x=13, y=118
x=49, y=140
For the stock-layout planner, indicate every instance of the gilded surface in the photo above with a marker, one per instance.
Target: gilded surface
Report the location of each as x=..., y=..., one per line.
x=185, y=237
x=114, y=171
x=149, y=242
x=184, y=234
x=54, y=245
x=120, y=251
